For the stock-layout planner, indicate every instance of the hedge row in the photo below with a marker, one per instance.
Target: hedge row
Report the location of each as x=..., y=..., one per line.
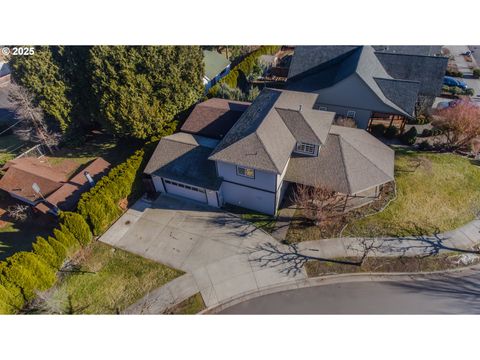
x=100, y=206
x=25, y=273
x=245, y=67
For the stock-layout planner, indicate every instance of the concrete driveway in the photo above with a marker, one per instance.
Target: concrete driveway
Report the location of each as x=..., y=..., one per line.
x=216, y=247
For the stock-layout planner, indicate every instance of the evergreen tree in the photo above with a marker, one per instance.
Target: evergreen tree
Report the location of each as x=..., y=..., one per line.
x=43, y=78
x=141, y=89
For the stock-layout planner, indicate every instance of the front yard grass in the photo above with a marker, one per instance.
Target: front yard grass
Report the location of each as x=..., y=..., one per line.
x=261, y=221
x=108, y=280
x=436, y=193
x=387, y=264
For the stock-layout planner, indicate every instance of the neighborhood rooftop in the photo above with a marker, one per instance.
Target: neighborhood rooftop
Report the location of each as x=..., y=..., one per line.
x=214, y=117
x=184, y=157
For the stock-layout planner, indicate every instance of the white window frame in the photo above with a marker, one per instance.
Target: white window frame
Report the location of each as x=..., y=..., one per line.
x=351, y=114
x=305, y=148
x=243, y=171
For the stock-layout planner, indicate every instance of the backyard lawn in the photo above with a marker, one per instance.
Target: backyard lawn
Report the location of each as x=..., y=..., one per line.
x=107, y=281
x=436, y=192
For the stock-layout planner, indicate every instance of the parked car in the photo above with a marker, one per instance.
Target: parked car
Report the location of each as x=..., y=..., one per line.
x=467, y=53
x=450, y=81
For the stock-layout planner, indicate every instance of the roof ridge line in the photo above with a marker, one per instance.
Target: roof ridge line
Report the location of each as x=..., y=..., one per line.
x=268, y=154
x=343, y=159
x=415, y=55
x=399, y=80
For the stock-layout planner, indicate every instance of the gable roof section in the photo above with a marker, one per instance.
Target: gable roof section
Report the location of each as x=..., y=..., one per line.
x=310, y=59
x=351, y=161
x=67, y=196
x=403, y=93
x=308, y=125
x=259, y=139
x=184, y=157
x=214, y=63
x=214, y=118
x=428, y=70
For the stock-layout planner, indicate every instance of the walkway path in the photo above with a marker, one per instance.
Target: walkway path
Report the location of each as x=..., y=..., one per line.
x=465, y=238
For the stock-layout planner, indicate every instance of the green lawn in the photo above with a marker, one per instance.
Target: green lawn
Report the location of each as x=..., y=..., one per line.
x=436, y=192
x=108, y=281
x=262, y=221
x=10, y=146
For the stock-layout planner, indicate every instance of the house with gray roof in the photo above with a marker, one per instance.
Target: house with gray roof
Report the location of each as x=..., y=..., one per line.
x=366, y=84
x=280, y=139
x=216, y=66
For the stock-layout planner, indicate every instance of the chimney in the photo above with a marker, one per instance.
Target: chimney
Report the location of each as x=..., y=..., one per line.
x=300, y=107
x=89, y=178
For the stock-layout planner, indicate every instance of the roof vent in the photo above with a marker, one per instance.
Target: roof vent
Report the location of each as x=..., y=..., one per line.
x=89, y=178
x=300, y=107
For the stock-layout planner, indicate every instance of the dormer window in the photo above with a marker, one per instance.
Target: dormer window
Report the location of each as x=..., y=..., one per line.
x=305, y=148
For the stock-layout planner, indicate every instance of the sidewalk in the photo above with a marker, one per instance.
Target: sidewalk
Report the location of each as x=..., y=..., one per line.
x=162, y=298
x=463, y=239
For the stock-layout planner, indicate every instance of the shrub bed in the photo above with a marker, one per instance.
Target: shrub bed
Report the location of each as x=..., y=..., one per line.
x=100, y=206
x=25, y=273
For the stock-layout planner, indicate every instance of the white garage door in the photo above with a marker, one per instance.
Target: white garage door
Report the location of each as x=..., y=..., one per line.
x=185, y=190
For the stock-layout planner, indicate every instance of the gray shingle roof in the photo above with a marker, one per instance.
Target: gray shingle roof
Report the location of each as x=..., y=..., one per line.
x=428, y=70
x=184, y=157
x=308, y=125
x=313, y=58
x=214, y=63
x=426, y=50
x=315, y=67
x=403, y=93
x=351, y=161
x=259, y=139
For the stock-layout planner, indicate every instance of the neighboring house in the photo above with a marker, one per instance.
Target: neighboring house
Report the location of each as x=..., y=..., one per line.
x=58, y=190
x=280, y=139
x=216, y=67
x=366, y=85
x=4, y=73
x=214, y=117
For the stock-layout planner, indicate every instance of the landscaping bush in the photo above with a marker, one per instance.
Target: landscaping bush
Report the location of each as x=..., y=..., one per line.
x=243, y=69
x=11, y=299
x=64, y=237
x=47, y=253
x=410, y=136
x=469, y=92
x=29, y=272
x=427, y=133
x=77, y=226
x=476, y=73
x=100, y=206
x=422, y=120
x=453, y=73
x=390, y=132
x=378, y=130
x=424, y=145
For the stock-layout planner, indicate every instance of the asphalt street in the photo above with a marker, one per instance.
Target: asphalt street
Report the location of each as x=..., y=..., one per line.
x=441, y=295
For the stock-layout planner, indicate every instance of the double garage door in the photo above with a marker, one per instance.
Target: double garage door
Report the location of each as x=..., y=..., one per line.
x=188, y=191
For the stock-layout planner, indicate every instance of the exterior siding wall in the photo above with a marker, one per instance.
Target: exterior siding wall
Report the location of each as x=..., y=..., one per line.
x=249, y=198
x=263, y=180
x=212, y=198
x=157, y=182
x=361, y=116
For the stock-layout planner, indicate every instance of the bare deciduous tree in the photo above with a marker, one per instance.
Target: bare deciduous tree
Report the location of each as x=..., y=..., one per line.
x=32, y=126
x=18, y=212
x=316, y=202
x=460, y=124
